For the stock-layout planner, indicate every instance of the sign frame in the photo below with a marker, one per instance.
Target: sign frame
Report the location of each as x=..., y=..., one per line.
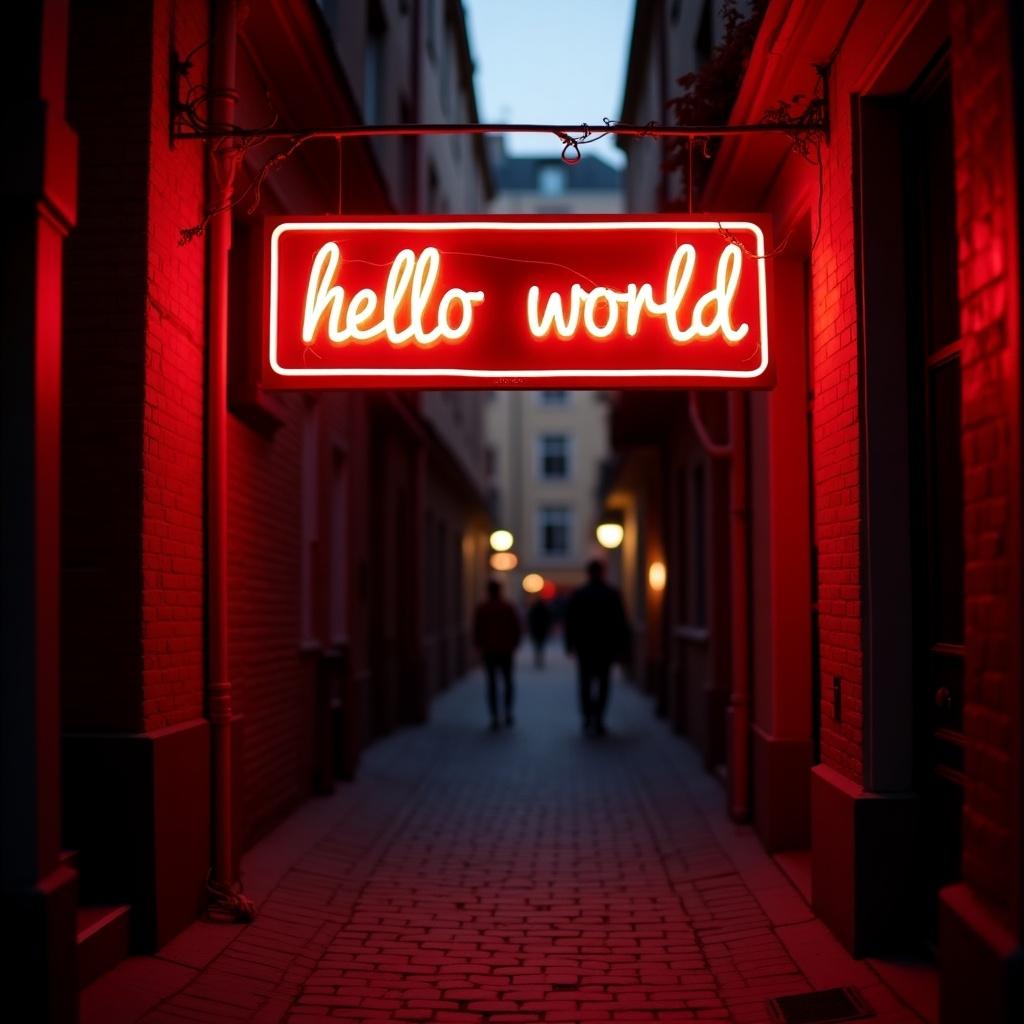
x=275, y=377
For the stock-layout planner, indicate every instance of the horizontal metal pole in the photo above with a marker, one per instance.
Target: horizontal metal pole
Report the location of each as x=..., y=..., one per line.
x=564, y=132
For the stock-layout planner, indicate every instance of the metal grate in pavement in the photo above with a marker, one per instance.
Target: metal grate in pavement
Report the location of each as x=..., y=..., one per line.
x=828, y=1006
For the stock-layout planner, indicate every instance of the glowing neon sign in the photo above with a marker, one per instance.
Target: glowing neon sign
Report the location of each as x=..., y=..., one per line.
x=532, y=302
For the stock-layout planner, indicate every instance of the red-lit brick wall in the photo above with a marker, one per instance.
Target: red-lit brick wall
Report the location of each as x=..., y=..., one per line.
x=273, y=684
x=172, y=456
x=836, y=441
x=132, y=458
x=983, y=118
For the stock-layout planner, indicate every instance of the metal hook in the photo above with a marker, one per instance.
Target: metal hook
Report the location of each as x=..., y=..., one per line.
x=573, y=157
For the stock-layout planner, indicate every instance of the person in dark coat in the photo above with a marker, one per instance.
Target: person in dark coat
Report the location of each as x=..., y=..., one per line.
x=597, y=632
x=496, y=632
x=538, y=622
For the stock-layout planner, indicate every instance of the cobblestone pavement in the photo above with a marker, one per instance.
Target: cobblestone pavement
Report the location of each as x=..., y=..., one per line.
x=529, y=875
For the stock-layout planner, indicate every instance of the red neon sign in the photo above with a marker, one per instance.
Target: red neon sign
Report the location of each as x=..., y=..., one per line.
x=516, y=302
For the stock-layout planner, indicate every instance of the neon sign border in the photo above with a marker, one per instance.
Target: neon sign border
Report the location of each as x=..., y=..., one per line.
x=519, y=225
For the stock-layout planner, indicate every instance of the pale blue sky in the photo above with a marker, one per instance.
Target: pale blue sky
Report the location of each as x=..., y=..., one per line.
x=550, y=61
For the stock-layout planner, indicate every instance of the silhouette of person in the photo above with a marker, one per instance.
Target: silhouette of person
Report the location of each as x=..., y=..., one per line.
x=496, y=632
x=538, y=622
x=597, y=632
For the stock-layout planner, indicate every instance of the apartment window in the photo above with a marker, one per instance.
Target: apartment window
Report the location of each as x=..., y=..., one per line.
x=555, y=530
x=554, y=457
x=552, y=180
x=553, y=398
x=373, y=67
x=430, y=17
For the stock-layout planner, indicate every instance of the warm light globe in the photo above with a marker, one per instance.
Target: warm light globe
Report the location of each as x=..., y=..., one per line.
x=501, y=540
x=533, y=583
x=656, y=576
x=609, y=535
x=503, y=561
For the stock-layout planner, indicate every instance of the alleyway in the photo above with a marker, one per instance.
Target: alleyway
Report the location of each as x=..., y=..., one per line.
x=532, y=875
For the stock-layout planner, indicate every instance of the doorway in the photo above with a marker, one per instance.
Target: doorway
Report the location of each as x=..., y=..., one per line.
x=936, y=478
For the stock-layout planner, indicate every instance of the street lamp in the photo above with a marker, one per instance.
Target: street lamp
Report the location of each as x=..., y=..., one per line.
x=503, y=561
x=501, y=540
x=656, y=576
x=533, y=583
x=609, y=535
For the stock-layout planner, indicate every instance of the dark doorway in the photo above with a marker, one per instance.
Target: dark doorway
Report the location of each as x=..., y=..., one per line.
x=936, y=479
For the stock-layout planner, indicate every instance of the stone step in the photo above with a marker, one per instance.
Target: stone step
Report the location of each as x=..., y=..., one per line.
x=104, y=940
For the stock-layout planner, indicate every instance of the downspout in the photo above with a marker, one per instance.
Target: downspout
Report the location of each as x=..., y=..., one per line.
x=739, y=697
x=226, y=899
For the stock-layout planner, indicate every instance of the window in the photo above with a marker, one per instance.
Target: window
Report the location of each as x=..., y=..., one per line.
x=554, y=457
x=552, y=180
x=555, y=530
x=373, y=68
x=553, y=398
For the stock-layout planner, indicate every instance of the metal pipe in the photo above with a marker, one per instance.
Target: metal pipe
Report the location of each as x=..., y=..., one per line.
x=735, y=450
x=218, y=697
x=591, y=132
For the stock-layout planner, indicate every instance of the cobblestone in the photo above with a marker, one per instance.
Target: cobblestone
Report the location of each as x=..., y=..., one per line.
x=530, y=876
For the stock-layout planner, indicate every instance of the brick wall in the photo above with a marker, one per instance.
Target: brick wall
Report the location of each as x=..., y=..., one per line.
x=836, y=442
x=172, y=457
x=273, y=686
x=983, y=120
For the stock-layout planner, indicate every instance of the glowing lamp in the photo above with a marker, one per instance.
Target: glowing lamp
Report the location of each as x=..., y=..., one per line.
x=609, y=535
x=503, y=561
x=501, y=540
x=656, y=576
x=533, y=583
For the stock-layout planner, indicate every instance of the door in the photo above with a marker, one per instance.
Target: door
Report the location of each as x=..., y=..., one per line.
x=936, y=480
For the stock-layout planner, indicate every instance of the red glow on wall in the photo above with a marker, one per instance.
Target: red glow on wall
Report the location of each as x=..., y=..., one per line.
x=516, y=303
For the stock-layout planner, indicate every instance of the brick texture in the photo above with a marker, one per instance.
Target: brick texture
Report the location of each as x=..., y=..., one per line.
x=532, y=876
x=985, y=181
x=836, y=446
x=173, y=399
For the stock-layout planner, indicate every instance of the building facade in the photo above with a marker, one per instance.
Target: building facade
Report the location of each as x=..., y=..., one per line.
x=548, y=448
x=840, y=634
x=226, y=593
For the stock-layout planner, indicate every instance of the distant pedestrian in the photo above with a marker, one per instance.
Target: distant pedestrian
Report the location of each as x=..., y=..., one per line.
x=597, y=632
x=538, y=622
x=496, y=632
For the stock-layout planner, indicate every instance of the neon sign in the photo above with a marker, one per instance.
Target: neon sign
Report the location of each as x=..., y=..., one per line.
x=530, y=302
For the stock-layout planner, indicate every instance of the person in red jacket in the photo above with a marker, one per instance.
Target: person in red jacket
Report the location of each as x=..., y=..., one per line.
x=496, y=632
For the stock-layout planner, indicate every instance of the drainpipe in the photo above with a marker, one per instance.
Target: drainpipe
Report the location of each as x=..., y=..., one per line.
x=739, y=697
x=226, y=899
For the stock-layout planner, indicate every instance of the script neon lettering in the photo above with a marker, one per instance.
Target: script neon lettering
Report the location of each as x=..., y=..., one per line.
x=599, y=307
x=410, y=287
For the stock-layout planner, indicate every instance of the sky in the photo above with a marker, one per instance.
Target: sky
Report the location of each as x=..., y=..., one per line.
x=550, y=61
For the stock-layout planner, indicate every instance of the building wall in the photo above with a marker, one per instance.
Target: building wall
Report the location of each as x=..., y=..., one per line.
x=326, y=640
x=843, y=261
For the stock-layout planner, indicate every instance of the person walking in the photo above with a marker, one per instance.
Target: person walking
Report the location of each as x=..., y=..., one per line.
x=496, y=633
x=538, y=622
x=597, y=632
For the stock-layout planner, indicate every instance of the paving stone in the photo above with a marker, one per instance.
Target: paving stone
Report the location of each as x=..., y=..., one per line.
x=529, y=875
